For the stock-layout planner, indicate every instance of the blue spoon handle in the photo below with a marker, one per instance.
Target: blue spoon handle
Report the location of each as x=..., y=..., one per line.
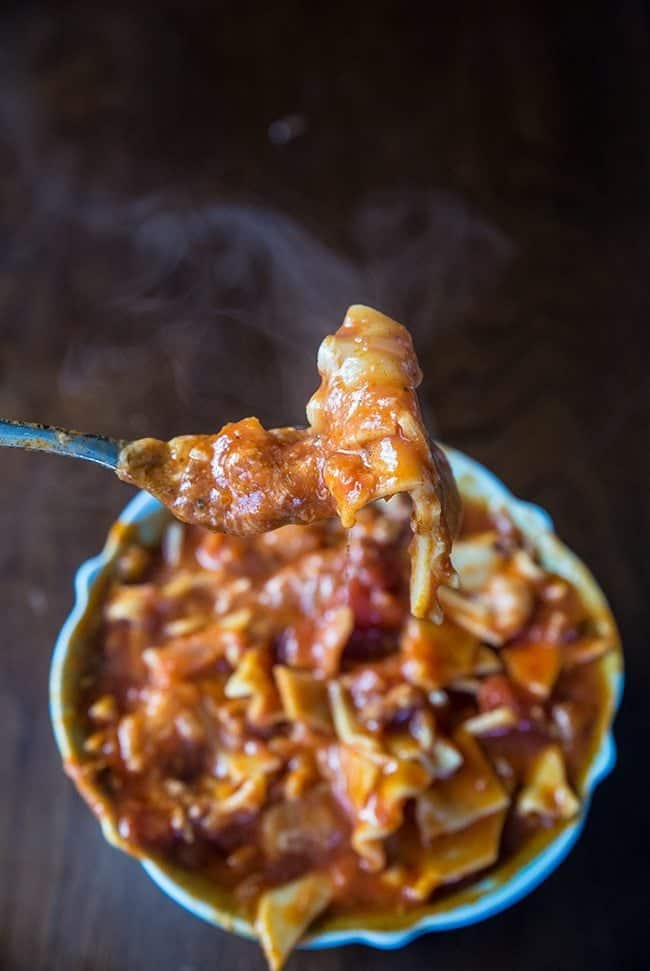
x=48, y=438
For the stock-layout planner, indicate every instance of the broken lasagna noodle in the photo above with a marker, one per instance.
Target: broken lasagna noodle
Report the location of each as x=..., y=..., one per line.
x=365, y=441
x=266, y=712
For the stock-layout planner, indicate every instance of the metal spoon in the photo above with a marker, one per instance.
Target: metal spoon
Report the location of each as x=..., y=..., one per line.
x=60, y=441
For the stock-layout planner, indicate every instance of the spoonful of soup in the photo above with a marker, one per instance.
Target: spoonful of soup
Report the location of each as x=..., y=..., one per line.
x=365, y=441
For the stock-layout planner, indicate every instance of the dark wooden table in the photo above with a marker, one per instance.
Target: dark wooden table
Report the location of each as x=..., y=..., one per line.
x=190, y=198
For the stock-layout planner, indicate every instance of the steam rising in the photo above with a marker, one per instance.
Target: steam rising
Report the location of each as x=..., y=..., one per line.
x=171, y=310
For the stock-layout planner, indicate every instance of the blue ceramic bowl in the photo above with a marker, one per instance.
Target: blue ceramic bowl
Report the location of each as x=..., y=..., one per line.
x=505, y=884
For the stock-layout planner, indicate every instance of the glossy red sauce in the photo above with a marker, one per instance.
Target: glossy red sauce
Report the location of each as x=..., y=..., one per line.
x=183, y=707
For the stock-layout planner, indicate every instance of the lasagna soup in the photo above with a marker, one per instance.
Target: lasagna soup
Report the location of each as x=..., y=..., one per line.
x=365, y=441
x=265, y=711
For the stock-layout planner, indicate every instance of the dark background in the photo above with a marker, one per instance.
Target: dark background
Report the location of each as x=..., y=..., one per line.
x=190, y=196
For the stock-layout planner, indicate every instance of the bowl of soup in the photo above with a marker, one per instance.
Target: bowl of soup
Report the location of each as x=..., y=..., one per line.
x=291, y=755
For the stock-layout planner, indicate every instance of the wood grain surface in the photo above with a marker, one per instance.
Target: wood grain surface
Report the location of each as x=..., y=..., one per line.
x=191, y=195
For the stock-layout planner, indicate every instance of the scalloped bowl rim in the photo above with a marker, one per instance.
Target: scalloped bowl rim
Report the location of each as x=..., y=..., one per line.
x=491, y=901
